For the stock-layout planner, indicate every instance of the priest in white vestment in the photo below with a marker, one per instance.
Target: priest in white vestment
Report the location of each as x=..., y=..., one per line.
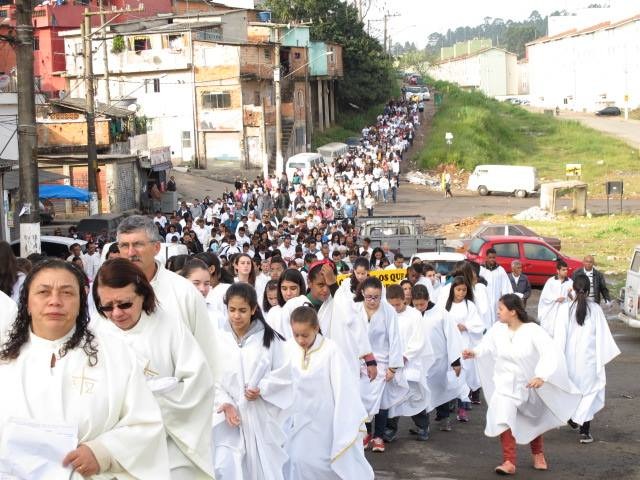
x=498, y=283
x=555, y=297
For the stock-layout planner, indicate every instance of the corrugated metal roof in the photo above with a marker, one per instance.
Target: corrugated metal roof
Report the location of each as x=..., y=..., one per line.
x=101, y=108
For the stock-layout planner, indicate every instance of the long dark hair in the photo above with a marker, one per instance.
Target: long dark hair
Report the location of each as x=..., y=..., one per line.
x=269, y=287
x=581, y=286
x=220, y=274
x=290, y=275
x=360, y=262
x=457, y=281
x=120, y=273
x=513, y=302
x=373, y=261
x=8, y=268
x=82, y=337
x=248, y=294
x=252, y=272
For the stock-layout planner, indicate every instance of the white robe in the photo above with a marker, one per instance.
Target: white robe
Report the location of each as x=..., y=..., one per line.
x=465, y=313
x=418, y=358
x=551, y=316
x=481, y=299
x=178, y=297
x=255, y=449
x=165, y=348
x=386, y=343
x=446, y=341
x=507, y=361
x=588, y=349
x=9, y=310
x=215, y=298
x=325, y=434
x=498, y=284
x=113, y=410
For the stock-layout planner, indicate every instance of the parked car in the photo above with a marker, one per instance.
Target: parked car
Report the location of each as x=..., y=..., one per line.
x=609, y=112
x=538, y=258
x=510, y=229
x=518, y=180
x=52, y=246
x=630, y=294
x=443, y=262
x=99, y=224
x=332, y=151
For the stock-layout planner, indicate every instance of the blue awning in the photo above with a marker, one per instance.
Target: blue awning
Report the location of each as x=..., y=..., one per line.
x=64, y=191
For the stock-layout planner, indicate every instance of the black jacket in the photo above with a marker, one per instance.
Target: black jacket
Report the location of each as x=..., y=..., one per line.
x=600, y=289
x=523, y=286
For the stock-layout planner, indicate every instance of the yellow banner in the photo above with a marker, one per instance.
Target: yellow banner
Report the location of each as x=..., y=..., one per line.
x=387, y=277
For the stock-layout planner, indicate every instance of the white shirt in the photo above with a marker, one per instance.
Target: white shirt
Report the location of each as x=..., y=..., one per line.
x=91, y=264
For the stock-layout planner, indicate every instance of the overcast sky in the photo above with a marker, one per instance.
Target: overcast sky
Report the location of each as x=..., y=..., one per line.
x=419, y=18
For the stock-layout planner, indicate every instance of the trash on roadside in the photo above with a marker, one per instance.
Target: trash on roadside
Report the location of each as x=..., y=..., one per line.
x=535, y=213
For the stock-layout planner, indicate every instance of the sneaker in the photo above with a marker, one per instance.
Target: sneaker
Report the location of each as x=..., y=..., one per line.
x=367, y=441
x=572, y=424
x=389, y=435
x=586, y=438
x=423, y=434
x=446, y=425
x=507, y=468
x=462, y=415
x=377, y=445
x=539, y=462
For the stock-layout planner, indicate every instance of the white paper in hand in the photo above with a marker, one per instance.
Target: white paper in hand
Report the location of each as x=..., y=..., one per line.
x=34, y=451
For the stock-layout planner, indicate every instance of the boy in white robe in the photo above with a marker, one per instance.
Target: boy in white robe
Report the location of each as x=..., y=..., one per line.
x=325, y=435
x=589, y=347
x=498, y=283
x=557, y=291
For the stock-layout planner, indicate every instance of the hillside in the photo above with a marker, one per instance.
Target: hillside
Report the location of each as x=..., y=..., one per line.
x=488, y=131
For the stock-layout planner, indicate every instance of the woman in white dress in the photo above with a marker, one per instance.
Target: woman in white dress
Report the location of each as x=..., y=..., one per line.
x=170, y=359
x=75, y=394
x=589, y=347
x=525, y=381
x=324, y=439
x=252, y=395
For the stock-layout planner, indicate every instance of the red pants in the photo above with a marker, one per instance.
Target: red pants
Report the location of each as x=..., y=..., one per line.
x=509, y=446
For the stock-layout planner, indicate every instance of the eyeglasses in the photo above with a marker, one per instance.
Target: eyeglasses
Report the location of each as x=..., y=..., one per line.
x=134, y=245
x=372, y=298
x=111, y=308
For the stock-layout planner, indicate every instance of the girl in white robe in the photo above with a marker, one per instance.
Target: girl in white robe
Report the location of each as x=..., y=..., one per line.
x=291, y=284
x=325, y=436
x=83, y=382
x=219, y=281
x=169, y=358
x=253, y=394
x=525, y=381
x=557, y=291
x=197, y=272
x=589, y=347
x=461, y=309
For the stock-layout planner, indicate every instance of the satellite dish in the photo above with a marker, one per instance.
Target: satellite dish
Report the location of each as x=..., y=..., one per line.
x=133, y=107
x=4, y=81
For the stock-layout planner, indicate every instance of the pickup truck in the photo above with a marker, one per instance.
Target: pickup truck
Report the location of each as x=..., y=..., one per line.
x=402, y=234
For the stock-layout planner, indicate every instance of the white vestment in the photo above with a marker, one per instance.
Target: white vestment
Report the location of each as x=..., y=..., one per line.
x=325, y=432
x=386, y=344
x=588, y=349
x=178, y=297
x=418, y=358
x=255, y=449
x=481, y=300
x=507, y=360
x=465, y=313
x=165, y=348
x=215, y=298
x=446, y=342
x=551, y=316
x=498, y=284
x=109, y=404
x=9, y=310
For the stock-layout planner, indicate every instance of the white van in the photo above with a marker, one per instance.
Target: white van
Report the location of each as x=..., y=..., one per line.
x=332, y=151
x=518, y=180
x=630, y=294
x=303, y=162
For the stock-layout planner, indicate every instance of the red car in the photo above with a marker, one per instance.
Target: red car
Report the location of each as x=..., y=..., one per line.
x=538, y=258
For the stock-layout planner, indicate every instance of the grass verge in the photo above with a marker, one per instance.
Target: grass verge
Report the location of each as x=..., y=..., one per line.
x=490, y=132
x=348, y=124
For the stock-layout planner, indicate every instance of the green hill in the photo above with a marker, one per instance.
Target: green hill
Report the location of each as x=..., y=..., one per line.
x=490, y=132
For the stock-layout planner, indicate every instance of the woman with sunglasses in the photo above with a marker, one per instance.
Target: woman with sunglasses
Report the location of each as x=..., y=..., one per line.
x=170, y=359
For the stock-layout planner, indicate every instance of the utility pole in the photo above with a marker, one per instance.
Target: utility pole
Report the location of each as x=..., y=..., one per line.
x=27, y=140
x=105, y=53
x=276, y=83
x=386, y=39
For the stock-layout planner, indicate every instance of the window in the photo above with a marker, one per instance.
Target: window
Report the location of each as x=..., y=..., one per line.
x=257, y=100
x=176, y=42
x=267, y=54
x=635, y=263
x=493, y=230
x=509, y=250
x=216, y=100
x=516, y=231
x=299, y=136
x=36, y=43
x=156, y=85
x=186, y=139
x=300, y=98
x=535, y=251
x=141, y=43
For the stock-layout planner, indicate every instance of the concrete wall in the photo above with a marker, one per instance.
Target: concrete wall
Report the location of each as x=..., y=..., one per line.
x=52, y=133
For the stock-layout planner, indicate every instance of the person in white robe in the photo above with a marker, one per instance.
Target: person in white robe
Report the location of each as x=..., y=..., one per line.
x=418, y=358
x=9, y=310
x=253, y=394
x=219, y=282
x=325, y=432
x=443, y=375
x=390, y=386
x=74, y=403
x=556, y=293
x=461, y=310
x=498, y=283
x=197, y=272
x=589, y=347
x=525, y=381
x=291, y=284
x=139, y=241
x=170, y=360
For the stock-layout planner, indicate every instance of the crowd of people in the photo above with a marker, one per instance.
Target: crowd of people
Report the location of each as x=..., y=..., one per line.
x=246, y=358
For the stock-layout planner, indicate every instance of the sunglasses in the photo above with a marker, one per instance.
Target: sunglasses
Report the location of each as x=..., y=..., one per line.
x=111, y=308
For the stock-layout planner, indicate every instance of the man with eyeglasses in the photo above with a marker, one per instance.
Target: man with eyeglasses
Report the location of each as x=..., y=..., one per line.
x=138, y=241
